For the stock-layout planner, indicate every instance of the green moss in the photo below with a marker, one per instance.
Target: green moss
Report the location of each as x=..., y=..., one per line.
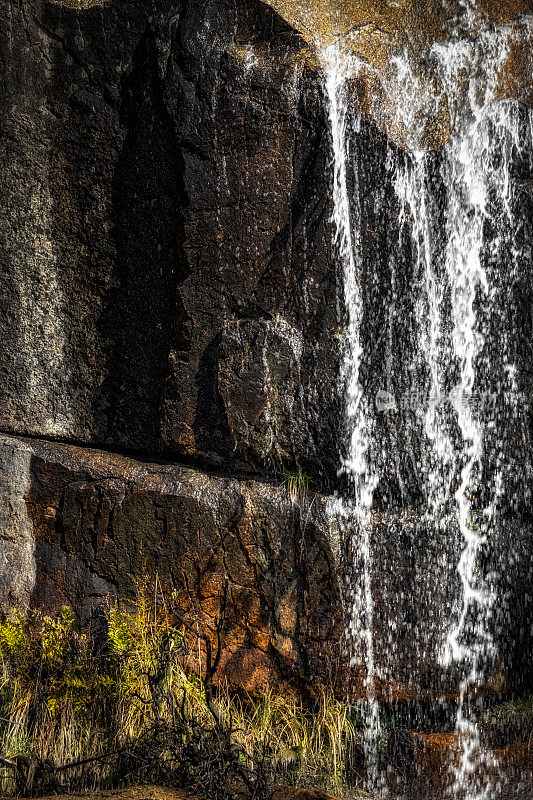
x=520, y=710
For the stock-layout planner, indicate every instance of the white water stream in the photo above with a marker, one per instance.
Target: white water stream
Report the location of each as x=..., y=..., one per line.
x=466, y=257
x=356, y=464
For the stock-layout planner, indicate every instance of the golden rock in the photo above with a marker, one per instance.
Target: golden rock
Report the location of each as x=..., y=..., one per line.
x=377, y=32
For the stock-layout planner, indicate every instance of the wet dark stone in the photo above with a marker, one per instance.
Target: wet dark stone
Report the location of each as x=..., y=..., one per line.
x=168, y=180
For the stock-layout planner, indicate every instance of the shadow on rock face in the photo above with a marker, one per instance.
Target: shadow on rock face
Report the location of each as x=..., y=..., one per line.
x=141, y=309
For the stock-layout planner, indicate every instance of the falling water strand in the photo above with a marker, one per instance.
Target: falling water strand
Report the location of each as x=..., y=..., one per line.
x=476, y=167
x=355, y=511
x=465, y=342
x=409, y=95
x=470, y=172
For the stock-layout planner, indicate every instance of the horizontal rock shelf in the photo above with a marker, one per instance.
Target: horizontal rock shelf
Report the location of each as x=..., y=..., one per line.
x=83, y=527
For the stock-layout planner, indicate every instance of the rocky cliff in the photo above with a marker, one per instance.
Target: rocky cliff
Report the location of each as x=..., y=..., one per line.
x=168, y=290
x=167, y=277
x=171, y=324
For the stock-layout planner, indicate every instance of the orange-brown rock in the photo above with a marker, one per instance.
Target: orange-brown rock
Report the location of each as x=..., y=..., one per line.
x=82, y=527
x=376, y=33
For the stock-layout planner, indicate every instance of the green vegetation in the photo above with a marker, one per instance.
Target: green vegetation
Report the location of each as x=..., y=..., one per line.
x=514, y=710
x=296, y=484
x=123, y=703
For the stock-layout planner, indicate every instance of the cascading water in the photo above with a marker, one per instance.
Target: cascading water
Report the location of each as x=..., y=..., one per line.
x=468, y=174
x=459, y=210
x=475, y=170
x=356, y=509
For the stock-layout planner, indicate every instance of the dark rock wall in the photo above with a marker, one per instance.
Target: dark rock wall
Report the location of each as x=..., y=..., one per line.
x=85, y=166
x=168, y=289
x=164, y=216
x=260, y=284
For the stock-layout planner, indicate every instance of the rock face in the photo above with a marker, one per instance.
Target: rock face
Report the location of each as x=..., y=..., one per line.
x=374, y=34
x=166, y=234
x=84, y=526
x=417, y=21
x=166, y=207
x=416, y=594
x=258, y=267
x=169, y=290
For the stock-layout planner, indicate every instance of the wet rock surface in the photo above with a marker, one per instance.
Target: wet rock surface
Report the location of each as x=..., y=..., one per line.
x=102, y=525
x=416, y=599
x=375, y=34
x=167, y=183
x=420, y=766
x=97, y=526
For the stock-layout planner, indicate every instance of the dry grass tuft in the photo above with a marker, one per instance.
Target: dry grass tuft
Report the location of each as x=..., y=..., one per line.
x=81, y=710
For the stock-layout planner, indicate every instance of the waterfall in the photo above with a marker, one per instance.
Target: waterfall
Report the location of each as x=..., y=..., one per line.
x=468, y=170
x=469, y=429
x=356, y=509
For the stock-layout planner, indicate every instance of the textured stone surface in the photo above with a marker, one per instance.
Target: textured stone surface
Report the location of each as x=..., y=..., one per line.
x=96, y=526
x=376, y=33
x=257, y=245
x=414, y=21
x=89, y=525
x=89, y=224
x=167, y=185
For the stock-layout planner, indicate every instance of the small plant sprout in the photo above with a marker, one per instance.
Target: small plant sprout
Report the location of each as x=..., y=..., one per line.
x=296, y=484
